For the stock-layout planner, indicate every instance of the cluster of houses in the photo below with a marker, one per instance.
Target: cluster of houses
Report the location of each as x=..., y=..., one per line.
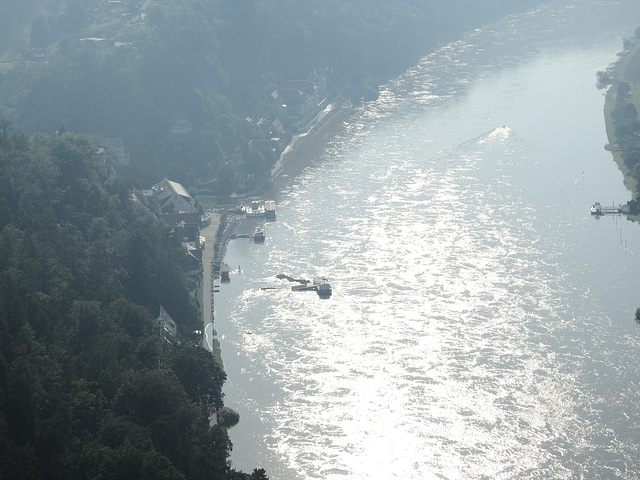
x=298, y=103
x=171, y=202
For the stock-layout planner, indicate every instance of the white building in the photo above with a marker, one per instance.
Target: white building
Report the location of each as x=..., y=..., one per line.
x=117, y=145
x=166, y=324
x=171, y=197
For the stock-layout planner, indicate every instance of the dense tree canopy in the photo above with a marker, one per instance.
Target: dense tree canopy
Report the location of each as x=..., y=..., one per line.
x=88, y=388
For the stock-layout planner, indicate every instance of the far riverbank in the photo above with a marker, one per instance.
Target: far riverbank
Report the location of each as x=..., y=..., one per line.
x=626, y=69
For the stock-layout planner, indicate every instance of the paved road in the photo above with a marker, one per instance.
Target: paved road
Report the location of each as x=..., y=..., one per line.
x=209, y=233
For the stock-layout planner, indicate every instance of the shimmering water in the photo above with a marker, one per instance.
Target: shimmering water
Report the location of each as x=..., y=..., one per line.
x=481, y=323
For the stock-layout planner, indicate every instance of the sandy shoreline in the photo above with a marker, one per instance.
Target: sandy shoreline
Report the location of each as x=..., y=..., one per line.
x=306, y=147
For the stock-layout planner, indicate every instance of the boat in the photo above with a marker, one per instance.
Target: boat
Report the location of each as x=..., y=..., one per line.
x=254, y=209
x=225, y=273
x=270, y=210
x=324, y=290
x=258, y=235
x=323, y=287
x=596, y=209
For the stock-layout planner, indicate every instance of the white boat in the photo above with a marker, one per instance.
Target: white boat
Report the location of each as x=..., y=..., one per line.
x=254, y=209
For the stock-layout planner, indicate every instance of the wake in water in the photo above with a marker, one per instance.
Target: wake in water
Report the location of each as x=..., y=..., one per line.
x=473, y=332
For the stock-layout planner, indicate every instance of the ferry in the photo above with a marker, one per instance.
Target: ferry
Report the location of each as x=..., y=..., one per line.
x=254, y=209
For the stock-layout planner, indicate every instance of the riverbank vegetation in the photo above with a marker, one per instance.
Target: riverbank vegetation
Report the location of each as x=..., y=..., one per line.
x=622, y=103
x=89, y=387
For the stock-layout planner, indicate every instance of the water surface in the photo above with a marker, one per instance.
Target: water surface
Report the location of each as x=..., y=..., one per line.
x=481, y=324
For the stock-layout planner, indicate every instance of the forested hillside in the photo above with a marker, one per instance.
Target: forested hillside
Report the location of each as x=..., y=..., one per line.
x=213, y=63
x=88, y=387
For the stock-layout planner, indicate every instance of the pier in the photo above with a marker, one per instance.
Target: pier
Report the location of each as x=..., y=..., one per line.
x=598, y=209
x=320, y=285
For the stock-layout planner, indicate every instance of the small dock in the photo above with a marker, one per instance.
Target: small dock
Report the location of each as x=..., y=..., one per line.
x=598, y=209
x=322, y=289
x=320, y=285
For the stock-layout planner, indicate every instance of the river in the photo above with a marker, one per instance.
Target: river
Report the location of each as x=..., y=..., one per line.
x=482, y=321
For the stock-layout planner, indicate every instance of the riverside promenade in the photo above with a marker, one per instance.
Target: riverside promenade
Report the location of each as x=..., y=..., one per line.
x=209, y=233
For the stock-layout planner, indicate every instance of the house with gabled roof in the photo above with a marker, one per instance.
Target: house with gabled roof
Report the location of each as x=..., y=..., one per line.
x=186, y=227
x=171, y=197
x=194, y=261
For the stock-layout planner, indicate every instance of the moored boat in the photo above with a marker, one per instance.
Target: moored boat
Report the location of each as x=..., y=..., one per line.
x=254, y=209
x=323, y=287
x=258, y=235
x=270, y=210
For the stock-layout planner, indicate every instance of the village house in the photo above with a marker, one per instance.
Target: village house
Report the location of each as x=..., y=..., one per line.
x=296, y=106
x=194, y=261
x=119, y=152
x=168, y=197
x=186, y=226
x=181, y=124
x=164, y=198
x=167, y=327
x=264, y=129
x=300, y=100
x=320, y=80
x=307, y=87
x=260, y=129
